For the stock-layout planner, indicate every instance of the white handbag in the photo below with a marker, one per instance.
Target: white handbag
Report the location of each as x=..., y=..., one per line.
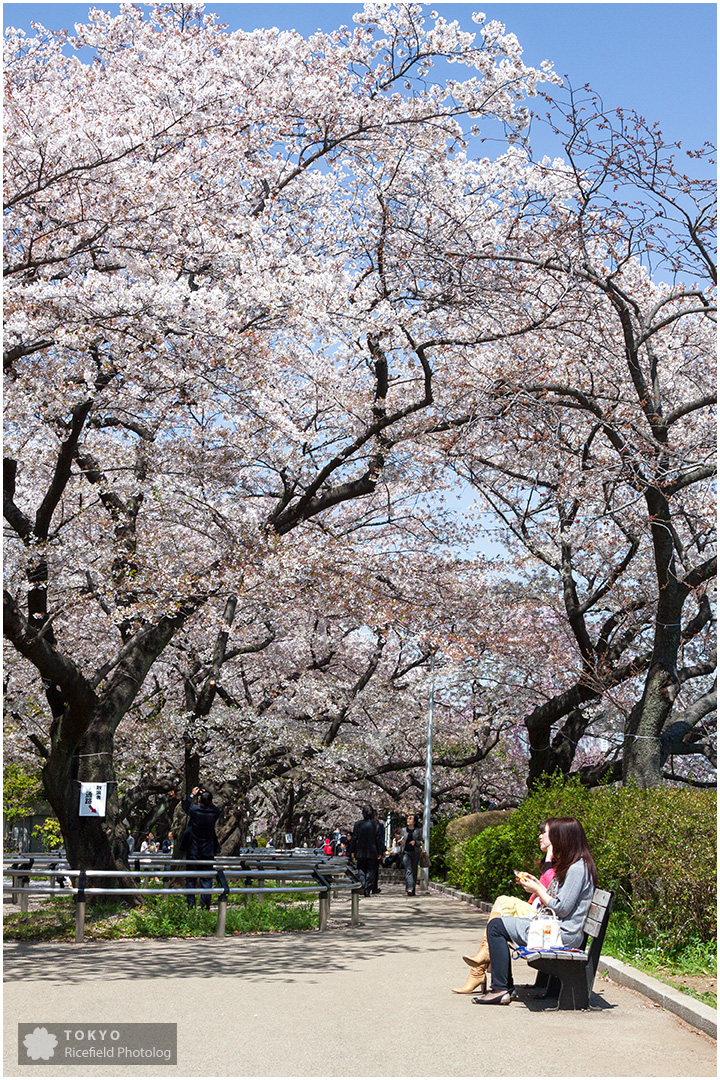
x=544, y=931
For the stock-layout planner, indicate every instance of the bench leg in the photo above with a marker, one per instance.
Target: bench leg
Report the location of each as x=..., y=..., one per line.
x=574, y=989
x=569, y=981
x=548, y=984
x=323, y=917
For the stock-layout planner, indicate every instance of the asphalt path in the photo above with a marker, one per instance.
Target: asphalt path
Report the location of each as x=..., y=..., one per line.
x=372, y=1000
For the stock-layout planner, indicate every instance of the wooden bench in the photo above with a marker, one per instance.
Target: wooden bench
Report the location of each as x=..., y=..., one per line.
x=570, y=974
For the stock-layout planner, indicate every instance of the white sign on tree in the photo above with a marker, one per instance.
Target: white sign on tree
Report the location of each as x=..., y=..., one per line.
x=92, y=800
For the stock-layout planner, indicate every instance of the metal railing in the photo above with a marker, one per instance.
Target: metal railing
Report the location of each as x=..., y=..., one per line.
x=321, y=882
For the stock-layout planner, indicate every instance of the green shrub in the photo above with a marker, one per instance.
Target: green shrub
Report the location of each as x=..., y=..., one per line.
x=439, y=847
x=49, y=833
x=455, y=861
x=463, y=835
x=654, y=848
x=463, y=828
x=493, y=856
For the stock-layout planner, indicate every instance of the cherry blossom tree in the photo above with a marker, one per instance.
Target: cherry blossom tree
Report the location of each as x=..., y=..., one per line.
x=595, y=451
x=334, y=703
x=258, y=298
x=226, y=323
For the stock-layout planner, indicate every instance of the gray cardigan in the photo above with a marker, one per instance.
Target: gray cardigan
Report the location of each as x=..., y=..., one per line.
x=571, y=902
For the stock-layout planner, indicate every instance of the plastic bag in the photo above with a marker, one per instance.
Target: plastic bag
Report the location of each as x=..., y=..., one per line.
x=544, y=932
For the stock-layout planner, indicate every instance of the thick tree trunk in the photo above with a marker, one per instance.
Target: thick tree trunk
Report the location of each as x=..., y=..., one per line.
x=642, y=751
x=642, y=756
x=90, y=842
x=192, y=766
x=233, y=831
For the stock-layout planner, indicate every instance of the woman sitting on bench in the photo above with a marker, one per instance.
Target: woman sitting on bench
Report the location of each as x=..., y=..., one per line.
x=569, y=896
x=508, y=905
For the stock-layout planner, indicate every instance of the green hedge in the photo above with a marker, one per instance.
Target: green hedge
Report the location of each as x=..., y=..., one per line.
x=654, y=848
x=439, y=848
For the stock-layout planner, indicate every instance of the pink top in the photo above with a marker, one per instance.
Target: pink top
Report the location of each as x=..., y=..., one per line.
x=545, y=880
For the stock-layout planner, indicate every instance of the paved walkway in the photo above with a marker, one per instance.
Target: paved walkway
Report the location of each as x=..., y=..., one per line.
x=368, y=1001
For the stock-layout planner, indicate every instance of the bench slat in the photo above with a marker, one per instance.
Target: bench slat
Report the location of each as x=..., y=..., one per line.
x=593, y=927
x=596, y=911
x=555, y=954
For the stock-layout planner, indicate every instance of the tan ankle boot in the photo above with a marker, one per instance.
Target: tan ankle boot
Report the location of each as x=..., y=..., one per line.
x=475, y=981
x=483, y=955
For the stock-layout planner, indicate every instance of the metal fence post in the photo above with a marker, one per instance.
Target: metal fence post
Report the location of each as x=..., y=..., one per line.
x=80, y=907
x=24, y=898
x=80, y=921
x=323, y=919
x=355, y=907
x=222, y=915
x=222, y=903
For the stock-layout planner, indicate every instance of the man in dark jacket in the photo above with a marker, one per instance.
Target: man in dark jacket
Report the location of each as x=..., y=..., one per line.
x=367, y=848
x=201, y=841
x=380, y=839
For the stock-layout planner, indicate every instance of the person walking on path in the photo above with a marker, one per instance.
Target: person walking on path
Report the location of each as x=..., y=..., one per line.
x=411, y=842
x=380, y=841
x=201, y=843
x=365, y=849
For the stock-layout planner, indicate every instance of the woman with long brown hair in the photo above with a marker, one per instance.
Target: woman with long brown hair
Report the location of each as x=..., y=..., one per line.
x=569, y=896
x=509, y=905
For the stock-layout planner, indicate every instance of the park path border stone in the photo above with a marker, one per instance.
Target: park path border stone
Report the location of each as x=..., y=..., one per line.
x=687, y=1008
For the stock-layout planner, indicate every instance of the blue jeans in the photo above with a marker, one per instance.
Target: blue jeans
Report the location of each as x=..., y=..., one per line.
x=410, y=863
x=499, y=933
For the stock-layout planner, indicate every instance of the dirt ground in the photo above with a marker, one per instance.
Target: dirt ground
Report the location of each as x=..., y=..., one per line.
x=701, y=984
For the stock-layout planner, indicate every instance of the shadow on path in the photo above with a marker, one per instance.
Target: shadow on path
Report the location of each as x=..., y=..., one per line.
x=384, y=924
x=526, y=995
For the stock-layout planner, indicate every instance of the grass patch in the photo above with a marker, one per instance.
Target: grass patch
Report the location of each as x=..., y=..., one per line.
x=52, y=920
x=690, y=967
x=159, y=917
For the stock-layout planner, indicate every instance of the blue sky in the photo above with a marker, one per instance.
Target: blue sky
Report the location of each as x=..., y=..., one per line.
x=660, y=59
